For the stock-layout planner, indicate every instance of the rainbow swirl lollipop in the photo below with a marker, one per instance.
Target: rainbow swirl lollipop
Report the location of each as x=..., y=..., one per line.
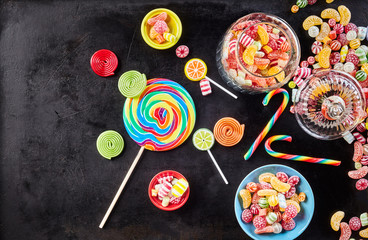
x=162, y=117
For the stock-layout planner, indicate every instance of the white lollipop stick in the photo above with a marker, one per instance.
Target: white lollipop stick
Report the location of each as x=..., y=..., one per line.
x=117, y=195
x=217, y=166
x=221, y=87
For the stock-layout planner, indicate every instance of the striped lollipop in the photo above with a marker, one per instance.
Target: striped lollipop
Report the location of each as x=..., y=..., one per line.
x=110, y=144
x=295, y=157
x=132, y=83
x=104, y=62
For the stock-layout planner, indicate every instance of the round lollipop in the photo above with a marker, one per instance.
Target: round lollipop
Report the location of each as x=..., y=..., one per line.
x=203, y=140
x=196, y=69
x=104, y=62
x=110, y=144
x=160, y=119
x=132, y=83
x=228, y=131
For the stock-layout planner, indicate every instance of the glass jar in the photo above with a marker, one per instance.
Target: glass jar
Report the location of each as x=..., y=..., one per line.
x=272, y=66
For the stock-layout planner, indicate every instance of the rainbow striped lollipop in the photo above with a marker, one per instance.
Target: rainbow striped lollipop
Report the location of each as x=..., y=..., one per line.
x=295, y=157
x=159, y=119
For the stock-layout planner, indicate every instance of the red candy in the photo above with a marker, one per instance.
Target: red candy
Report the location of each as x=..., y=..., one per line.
x=246, y=40
x=160, y=26
x=331, y=22
x=291, y=192
x=283, y=177
x=355, y=223
x=353, y=58
x=293, y=180
x=162, y=16
x=255, y=198
x=265, y=185
x=332, y=35
x=316, y=47
x=351, y=27
x=304, y=64
x=252, y=187
x=345, y=231
x=358, y=151
x=291, y=211
x=272, y=44
x=342, y=39
x=254, y=208
x=335, y=58
x=268, y=229
x=290, y=225
x=247, y=216
x=311, y=60
x=364, y=160
x=182, y=51
x=361, y=127
x=175, y=200
x=357, y=174
x=259, y=222
x=361, y=184
x=104, y=62
x=359, y=137
x=338, y=28
x=335, y=45
x=311, y=2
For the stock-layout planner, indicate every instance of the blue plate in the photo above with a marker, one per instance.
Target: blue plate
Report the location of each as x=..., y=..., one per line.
x=303, y=218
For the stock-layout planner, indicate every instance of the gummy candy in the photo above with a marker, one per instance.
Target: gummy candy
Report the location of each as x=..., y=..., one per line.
x=325, y=30
x=263, y=35
x=336, y=219
x=267, y=229
x=266, y=192
x=265, y=177
x=246, y=198
x=311, y=21
x=331, y=13
x=357, y=174
x=364, y=233
x=344, y=14
x=279, y=186
x=324, y=57
x=249, y=53
x=345, y=231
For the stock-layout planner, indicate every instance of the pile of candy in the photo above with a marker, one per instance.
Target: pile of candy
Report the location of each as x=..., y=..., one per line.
x=169, y=190
x=159, y=30
x=272, y=196
x=355, y=224
x=263, y=51
x=339, y=48
x=303, y=3
x=360, y=158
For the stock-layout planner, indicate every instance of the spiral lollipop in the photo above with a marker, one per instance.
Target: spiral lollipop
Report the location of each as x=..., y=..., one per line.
x=104, y=62
x=159, y=119
x=228, y=131
x=110, y=144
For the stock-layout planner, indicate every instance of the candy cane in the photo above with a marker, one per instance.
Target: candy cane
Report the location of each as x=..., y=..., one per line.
x=295, y=157
x=272, y=121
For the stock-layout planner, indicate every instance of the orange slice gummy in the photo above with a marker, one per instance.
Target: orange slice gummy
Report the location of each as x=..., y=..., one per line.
x=311, y=21
x=249, y=53
x=336, y=219
x=345, y=15
x=331, y=13
x=324, y=57
x=325, y=30
x=263, y=35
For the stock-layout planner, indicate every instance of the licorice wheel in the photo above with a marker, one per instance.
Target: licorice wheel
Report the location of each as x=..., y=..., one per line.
x=104, y=62
x=228, y=131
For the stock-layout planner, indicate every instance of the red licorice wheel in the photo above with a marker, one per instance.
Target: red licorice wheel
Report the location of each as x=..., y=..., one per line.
x=104, y=62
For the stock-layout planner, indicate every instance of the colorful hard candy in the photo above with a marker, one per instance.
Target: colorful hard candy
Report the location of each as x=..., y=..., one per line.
x=364, y=219
x=179, y=188
x=259, y=222
x=247, y=216
x=355, y=224
x=289, y=225
x=271, y=217
x=361, y=184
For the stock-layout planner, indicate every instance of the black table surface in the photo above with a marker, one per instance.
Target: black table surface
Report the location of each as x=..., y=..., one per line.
x=54, y=183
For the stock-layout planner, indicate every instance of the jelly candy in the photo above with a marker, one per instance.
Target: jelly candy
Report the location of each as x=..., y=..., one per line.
x=288, y=226
x=325, y=30
x=336, y=219
x=160, y=27
x=273, y=200
x=358, y=174
x=267, y=229
x=331, y=13
x=266, y=192
x=153, y=34
x=265, y=177
x=252, y=187
x=162, y=16
x=355, y=224
x=358, y=151
x=293, y=180
x=290, y=192
x=247, y=216
x=254, y=208
x=246, y=198
x=302, y=196
x=263, y=212
x=160, y=39
x=344, y=14
x=277, y=228
x=361, y=184
x=311, y=21
x=345, y=231
x=279, y=186
x=332, y=34
x=283, y=177
x=364, y=233
x=249, y=53
x=271, y=218
x=259, y=222
x=324, y=57
x=263, y=35
x=364, y=219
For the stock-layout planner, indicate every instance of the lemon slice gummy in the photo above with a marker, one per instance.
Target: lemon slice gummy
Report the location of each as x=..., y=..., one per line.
x=311, y=21
x=345, y=15
x=330, y=13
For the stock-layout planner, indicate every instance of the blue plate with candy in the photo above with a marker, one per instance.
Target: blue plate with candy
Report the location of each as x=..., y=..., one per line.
x=303, y=218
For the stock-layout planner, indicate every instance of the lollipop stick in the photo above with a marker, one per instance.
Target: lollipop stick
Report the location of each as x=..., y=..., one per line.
x=217, y=166
x=221, y=87
x=121, y=187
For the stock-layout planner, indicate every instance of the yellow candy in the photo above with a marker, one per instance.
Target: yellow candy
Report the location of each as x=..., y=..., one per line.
x=343, y=52
x=355, y=43
x=364, y=233
x=169, y=37
x=279, y=186
x=325, y=30
x=331, y=13
x=266, y=177
x=302, y=196
x=294, y=8
x=336, y=219
x=326, y=40
x=295, y=197
x=267, y=49
x=179, y=188
x=365, y=68
x=249, y=53
x=324, y=57
x=344, y=14
x=311, y=21
x=263, y=35
x=266, y=192
x=246, y=197
x=329, y=1
x=273, y=200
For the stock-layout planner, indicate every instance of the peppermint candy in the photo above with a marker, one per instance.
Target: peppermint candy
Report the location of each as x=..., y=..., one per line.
x=182, y=51
x=316, y=47
x=205, y=87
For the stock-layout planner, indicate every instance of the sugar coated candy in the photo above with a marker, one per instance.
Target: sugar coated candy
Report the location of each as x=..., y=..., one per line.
x=283, y=177
x=182, y=51
x=358, y=174
x=267, y=229
x=331, y=13
x=254, y=208
x=267, y=192
x=252, y=187
x=273, y=200
x=358, y=151
x=311, y=21
x=355, y=224
x=290, y=192
x=246, y=197
x=313, y=31
x=362, y=33
x=265, y=177
x=361, y=184
x=345, y=15
x=345, y=231
x=364, y=233
x=364, y=219
x=160, y=26
x=259, y=222
x=336, y=219
x=162, y=16
x=247, y=216
x=277, y=228
x=289, y=225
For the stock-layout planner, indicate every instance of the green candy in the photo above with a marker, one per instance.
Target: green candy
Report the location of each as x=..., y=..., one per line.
x=361, y=55
x=302, y=3
x=360, y=75
x=110, y=144
x=263, y=203
x=132, y=83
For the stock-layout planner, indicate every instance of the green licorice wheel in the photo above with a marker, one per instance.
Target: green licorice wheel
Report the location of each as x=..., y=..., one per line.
x=110, y=144
x=132, y=83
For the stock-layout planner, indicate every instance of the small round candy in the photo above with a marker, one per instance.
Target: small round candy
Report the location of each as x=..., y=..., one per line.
x=182, y=51
x=361, y=184
x=313, y=31
x=247, y=216
x=351, y=35
x=351, y=27
x=294, y=9
x=331, y=22
x=361, y=75
x=339, y=66
x=334, y=58
x=335, y=45
x=338, y=28
x=353, y=58
x=304, y=64
x=354, y=44
x=349, y=67
x=316, y=47
x=110, y=144
x=311, y=60
x=302, y=3
x=342, y=39
x=362, y=32
x=292, y=84
x=160, y=27
x=132, y=83
x=357, y=165
x=289, y=225
x=355, y=223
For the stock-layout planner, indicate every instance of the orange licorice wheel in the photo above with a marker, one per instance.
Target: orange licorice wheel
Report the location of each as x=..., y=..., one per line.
x=228, y=131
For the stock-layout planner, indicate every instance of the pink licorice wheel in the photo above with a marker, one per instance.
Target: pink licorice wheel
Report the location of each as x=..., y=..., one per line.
x=104, y=62
x=182, y=51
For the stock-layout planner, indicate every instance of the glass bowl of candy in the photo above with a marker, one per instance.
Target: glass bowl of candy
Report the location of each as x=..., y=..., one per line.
x=274, y=202
x=161, y=28
x=168, y=190
x=329, y=104
x=258, y=53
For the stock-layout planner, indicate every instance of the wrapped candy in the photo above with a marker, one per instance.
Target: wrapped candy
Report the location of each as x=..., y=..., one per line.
x=205, y=87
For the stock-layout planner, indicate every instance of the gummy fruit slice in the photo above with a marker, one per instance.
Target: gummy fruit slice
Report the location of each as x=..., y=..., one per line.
x=195, y=69
x=336, y=219
x=311, y=21
x=325, y=30
x=263, y=35
x=331, y=13
x=324, y=57
x=345, y=15
x=249, y=53
x=203, y=139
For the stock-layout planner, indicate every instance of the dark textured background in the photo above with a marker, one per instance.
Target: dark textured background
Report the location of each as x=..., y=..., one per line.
x=55, y=185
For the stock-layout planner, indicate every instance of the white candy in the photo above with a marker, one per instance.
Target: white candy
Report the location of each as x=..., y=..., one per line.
x=349, y=67
x=241, y=74
x=240, y=80
x=339, y=66
x=282, y=200
x=365, y=49
x=313, y=31
x=277, y=228
x=233, y=73
x=260, y=54
x=173, y=182
x=248, y=82
x=158, y=186
x=362, y=32
x=165, y=201
x=351, y=35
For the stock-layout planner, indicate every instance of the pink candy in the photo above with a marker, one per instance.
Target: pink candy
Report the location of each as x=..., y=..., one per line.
x=316, y=47
x=331, y=22
x=160, y=27
x=353, y=58
x=304, y=72
x=290, y=225
x=164, y=190
x=355, y=223
x=205, y=87
x=247, y=216
x=361, y=184
x=283, y=177
x=182, y=51
x=293, y=180
x=338, y=28
x=311, y=60
x=232, y=46
x=291, y=192
x=359, y=137
x=259, y=222
x=246, y=41
x=304, y=64
x=335, y=58
x=165, y=179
